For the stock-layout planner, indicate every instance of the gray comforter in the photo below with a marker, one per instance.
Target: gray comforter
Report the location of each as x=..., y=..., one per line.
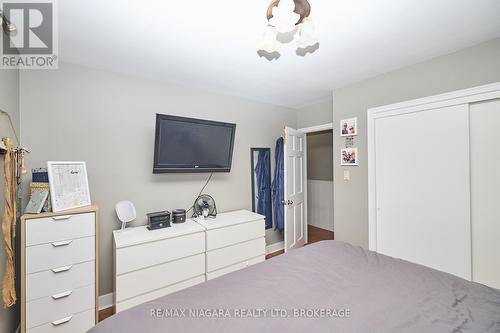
x=325, y=287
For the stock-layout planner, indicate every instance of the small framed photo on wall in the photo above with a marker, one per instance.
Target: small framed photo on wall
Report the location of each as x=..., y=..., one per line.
x=349, y=157
x=349, y=127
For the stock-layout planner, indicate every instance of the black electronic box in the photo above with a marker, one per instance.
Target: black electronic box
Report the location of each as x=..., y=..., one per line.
x=158, y=220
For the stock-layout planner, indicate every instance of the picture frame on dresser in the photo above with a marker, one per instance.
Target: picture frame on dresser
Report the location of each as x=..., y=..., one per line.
x=69, y=185
x=59, y=271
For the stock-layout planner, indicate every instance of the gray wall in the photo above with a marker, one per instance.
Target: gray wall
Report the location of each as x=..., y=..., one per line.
x=9, y=102
x=464, y=69
x=319, y=145
x=108, y=121
x=313, y=114
x=320, y=156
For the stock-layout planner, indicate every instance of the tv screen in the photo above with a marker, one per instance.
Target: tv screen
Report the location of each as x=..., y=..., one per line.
x=192, y=145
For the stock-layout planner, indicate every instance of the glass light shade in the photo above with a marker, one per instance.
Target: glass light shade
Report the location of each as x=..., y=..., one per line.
x=269, y=43
x=306, y=35
x=284, y=18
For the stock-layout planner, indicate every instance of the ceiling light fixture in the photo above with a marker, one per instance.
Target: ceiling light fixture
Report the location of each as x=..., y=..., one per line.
x=287, y=19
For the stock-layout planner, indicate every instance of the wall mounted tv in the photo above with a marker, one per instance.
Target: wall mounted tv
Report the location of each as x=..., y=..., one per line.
x=192, y=145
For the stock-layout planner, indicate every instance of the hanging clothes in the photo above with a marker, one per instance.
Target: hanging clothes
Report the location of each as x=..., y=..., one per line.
x=278, y=187
x=263, y=175
x=8, y=225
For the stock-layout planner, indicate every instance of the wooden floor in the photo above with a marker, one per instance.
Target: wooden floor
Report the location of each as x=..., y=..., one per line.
x=314, y=235
x=105, y=313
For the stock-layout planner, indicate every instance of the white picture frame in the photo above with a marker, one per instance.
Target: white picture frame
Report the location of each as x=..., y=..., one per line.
x=69, y=185
x=349, y=157
x=349, y=127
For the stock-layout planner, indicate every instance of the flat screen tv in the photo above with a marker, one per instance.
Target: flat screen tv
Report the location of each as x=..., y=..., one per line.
x=192, y=145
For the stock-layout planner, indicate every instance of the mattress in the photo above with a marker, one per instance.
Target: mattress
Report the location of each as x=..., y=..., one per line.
x=328, y=286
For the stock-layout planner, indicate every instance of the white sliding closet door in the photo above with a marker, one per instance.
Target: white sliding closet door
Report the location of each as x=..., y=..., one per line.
x=485, y=192
x=422, y=188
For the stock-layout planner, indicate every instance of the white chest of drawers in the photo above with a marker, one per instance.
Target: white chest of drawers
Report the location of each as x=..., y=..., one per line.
x=235, y=240
x=150, y=264
x=59, y=271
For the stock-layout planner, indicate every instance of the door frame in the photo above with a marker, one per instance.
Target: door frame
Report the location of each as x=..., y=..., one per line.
x=464, y=96
x=307, y=130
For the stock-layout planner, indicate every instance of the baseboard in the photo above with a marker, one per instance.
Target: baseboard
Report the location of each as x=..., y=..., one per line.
x=106, y=301
x=271, y=248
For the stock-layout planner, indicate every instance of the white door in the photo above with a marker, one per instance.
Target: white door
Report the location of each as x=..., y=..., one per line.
x=422, y=188
x=294, y=181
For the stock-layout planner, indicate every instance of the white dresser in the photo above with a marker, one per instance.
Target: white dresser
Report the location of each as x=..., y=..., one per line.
x=235, y=240
x=59, y=271
x=150, y=264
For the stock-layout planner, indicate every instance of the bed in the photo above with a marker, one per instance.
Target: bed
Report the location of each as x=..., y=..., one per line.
x=328, y=286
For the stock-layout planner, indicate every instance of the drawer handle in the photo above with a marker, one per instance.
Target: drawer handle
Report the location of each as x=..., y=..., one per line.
x=61, y=321
x=62, y=295
x=62, y=269
x=62, y=217
x=63, y=243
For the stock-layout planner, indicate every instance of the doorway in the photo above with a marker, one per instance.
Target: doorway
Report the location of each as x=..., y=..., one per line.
x=319, y=159
x=299, y=186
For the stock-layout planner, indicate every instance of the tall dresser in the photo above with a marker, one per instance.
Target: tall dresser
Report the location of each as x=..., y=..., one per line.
x=59, y=266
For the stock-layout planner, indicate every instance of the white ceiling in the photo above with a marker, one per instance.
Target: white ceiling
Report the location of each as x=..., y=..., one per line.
x=212, y=44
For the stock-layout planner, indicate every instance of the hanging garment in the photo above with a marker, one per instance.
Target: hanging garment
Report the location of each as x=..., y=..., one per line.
x=263, y=175
x=8, y=226
x=278, y=187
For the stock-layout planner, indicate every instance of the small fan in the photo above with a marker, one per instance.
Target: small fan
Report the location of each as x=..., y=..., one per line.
x=204, y=206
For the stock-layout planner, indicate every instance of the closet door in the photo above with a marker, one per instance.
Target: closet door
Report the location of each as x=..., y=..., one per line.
x=485, y=192
x=422, y=188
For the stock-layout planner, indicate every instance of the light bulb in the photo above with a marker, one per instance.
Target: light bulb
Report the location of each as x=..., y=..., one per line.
x=268, y=42
x=284, y=18
x=306, y=34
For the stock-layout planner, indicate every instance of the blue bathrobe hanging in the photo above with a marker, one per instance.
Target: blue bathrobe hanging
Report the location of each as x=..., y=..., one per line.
x=278, y=187
x=263, y=176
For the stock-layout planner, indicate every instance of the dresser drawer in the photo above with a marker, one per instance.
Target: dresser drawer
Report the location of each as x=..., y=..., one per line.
x=136, y=257
x=231, y=255
x=56, y=228
x=51, y=282
x=58, y=254
x=222, y=237
x=148, y=279
x=52, y=308
x=127, y=304
x=234, y=268
x=78, y=323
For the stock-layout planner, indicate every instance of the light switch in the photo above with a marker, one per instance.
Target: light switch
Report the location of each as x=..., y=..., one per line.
x=347, y=175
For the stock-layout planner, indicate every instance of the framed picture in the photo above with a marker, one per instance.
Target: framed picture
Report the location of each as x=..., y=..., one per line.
x=349, y=127
x=349, y=157
x=69, y=185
